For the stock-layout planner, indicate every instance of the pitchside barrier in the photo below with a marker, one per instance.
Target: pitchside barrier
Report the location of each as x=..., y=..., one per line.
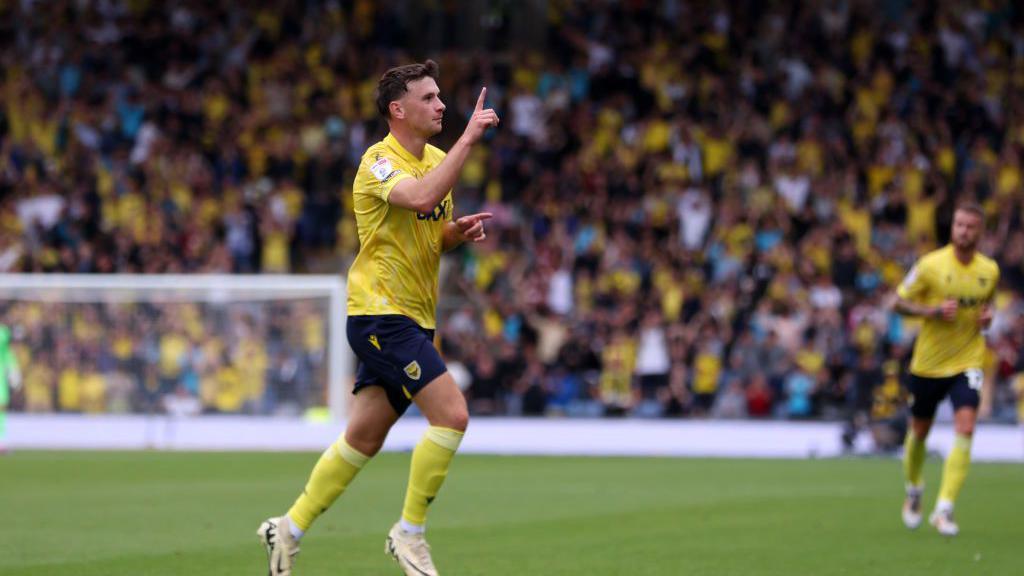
x=511, y=436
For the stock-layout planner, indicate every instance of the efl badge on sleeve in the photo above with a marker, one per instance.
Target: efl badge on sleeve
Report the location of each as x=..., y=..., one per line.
x=382, y=169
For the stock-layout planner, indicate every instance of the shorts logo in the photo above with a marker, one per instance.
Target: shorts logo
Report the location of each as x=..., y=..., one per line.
x=373, y=340
x=412, y=370
x=975, y=378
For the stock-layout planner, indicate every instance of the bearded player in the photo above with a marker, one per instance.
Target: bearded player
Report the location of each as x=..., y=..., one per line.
x=952, y=289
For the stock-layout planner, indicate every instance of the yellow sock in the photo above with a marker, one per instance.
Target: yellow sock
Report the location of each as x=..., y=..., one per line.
x=913, y=458
x=955, y=470
x=429, y=468
x=337, y=466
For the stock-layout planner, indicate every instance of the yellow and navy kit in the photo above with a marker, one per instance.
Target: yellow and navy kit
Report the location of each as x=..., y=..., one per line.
x=392, y=284
x=396, y=269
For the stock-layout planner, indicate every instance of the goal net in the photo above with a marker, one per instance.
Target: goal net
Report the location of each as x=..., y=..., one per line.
x=254, y=344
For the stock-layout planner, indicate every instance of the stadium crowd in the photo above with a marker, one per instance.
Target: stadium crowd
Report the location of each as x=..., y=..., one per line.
x=699, y=210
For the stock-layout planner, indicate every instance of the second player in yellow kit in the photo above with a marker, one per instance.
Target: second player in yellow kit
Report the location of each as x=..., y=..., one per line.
x=946, y=347
x=952, y=290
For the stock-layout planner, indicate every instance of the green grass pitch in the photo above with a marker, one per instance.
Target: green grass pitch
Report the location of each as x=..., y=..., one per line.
x=151, y=513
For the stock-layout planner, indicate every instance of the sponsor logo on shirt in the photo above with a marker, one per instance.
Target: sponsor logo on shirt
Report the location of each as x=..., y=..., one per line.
x=440, y=212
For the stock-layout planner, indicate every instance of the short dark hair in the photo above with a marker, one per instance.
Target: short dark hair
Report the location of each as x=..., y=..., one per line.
x=395, y=83
x=971, y=207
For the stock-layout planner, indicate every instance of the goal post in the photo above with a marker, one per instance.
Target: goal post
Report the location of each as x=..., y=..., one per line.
x=288, y=312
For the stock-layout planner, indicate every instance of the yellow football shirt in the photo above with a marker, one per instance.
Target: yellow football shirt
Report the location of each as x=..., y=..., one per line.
x=949, y=348
x=707, y=369
x=396, y=269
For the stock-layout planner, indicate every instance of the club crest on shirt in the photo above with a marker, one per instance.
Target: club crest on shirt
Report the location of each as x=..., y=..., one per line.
x=412, y=370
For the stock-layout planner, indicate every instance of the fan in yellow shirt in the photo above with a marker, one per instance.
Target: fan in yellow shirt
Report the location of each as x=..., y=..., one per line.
x=952, y=288
x=403, y=205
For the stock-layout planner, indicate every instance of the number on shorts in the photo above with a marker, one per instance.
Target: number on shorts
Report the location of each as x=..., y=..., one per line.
x=974, y=378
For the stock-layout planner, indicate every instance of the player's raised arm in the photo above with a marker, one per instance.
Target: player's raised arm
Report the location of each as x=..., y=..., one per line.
x=421, y=195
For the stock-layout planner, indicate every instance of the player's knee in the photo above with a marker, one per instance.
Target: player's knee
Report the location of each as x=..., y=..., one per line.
x=371, y=449
x=456, y=418
x=965, y=428
x=365, y=444
x=964, y=420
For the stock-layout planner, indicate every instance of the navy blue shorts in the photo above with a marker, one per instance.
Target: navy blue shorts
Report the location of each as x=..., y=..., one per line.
x=394, y=353
x=963, y=389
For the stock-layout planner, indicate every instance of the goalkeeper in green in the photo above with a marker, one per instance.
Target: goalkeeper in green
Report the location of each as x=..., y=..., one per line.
x=10, y=376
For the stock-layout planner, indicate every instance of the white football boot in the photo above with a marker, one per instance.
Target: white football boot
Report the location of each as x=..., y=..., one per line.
x=411, y=551
x=276, y=537
x=944, y=523
x=912, y=507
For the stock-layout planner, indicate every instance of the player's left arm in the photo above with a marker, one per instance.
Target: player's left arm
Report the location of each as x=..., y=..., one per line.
x=987, y=309
x=466, y=229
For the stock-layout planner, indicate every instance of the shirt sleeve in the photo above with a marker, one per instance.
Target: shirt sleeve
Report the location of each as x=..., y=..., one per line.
x=915, y=285
x=378, y=175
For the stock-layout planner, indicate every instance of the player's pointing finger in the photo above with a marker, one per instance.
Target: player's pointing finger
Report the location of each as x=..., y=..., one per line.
x=467, y=221
x=480, y=99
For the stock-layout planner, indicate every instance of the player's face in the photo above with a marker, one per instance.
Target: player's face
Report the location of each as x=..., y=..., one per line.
x=422, y=106
x=966, y=230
